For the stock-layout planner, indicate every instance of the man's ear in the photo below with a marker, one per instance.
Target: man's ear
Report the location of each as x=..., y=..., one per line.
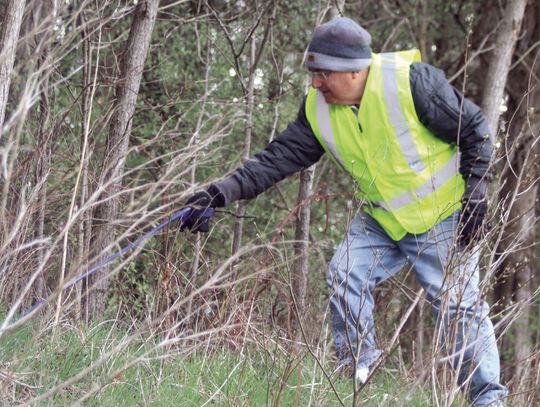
x=360, y=73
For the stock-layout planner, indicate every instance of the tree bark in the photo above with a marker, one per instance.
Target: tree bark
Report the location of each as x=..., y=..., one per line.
x=43, y=159
x=129, y=78
x=206, y=61
x=301, y=245
x=88, y=90
x=336, y=10
x=248, y=130
x=518, y=199
x=422, y=24
x=8, y=41
x=500, y=60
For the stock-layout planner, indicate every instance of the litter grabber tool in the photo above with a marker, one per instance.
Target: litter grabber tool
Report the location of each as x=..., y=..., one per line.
x=179, y=216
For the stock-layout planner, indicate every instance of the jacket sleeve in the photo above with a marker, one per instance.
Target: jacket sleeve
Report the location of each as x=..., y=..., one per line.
x=294, y=149
x=453, y=118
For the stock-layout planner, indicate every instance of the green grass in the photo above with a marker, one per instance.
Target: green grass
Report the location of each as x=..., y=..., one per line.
x=139, y=374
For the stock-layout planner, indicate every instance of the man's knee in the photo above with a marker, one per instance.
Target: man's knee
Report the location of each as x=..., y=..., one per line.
x=338, y=270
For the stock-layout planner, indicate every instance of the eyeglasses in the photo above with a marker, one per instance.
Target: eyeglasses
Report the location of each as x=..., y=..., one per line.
x=322, y=74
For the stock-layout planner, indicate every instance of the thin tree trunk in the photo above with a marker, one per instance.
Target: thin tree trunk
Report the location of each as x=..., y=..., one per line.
x=206, y=61
x=8, y=41
x=516, y=270
x=11, y=204
x=500, y=60
x=518, y=199
x=195, y=141
x=43, y=164
x=301, y=245
x=89, y=80
x=337, y=9
x=248, y=129
x=423, y=19
x=129, y=79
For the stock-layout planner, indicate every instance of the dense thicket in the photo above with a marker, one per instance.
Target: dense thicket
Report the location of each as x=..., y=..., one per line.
x=219, y=80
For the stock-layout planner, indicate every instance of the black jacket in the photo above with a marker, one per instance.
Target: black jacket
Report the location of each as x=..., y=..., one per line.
x=439, y=106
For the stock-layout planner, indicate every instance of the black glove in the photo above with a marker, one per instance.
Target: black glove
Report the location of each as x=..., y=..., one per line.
x=473, y=214
x=199, y=203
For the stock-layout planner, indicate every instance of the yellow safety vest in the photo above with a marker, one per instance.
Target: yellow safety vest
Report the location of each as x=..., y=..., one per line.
x=408, y=175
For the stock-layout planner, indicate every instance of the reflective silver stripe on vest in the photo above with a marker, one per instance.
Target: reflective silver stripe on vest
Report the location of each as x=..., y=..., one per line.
x=446, y=173
x=325, y=127
x=403, y=134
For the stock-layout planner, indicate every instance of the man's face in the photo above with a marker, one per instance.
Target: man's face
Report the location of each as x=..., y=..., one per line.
x=339, y=88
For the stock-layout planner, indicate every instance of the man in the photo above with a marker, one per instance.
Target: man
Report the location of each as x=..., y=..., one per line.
x=419, y=153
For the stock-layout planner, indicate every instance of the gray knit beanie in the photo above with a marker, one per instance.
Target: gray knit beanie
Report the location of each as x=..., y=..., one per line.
x=340, y=45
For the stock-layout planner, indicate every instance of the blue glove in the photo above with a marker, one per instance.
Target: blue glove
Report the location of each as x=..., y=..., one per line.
x=196, y=220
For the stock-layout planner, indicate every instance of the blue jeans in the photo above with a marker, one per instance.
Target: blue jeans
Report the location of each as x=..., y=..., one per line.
x=367, y=257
